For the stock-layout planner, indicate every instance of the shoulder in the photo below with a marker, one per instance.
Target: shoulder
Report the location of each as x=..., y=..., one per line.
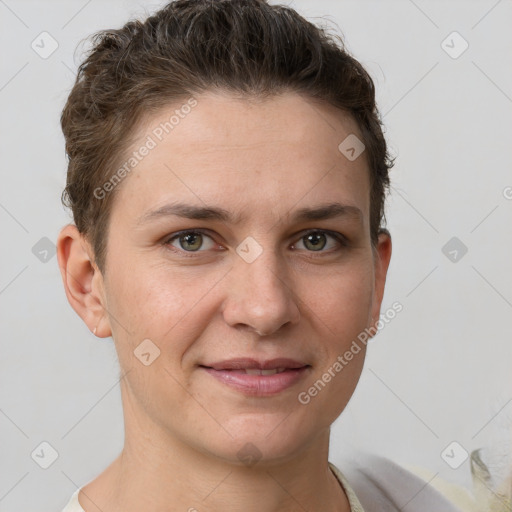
x=381, y=485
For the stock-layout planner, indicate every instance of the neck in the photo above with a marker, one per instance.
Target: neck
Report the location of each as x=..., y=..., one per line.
x=160, y=472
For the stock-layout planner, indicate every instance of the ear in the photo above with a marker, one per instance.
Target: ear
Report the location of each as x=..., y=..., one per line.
x=382, y=257
x=83, y=281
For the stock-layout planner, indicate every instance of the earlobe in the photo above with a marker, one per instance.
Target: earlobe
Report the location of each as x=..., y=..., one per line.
x=83, y=282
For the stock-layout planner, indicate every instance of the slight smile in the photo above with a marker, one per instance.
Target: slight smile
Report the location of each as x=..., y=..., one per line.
x=258, y=378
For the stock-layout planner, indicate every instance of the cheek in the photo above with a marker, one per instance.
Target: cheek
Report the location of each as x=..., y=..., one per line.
x=161, y=303
x=171, y=309
x=342, y=300
x=341, y=310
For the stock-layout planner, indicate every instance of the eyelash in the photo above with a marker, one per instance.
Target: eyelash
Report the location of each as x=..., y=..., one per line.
x=341, y=239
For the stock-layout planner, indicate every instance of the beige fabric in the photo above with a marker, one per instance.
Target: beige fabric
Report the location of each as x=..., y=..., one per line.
x=469, y=500
x=73, y=504
x=355, y=505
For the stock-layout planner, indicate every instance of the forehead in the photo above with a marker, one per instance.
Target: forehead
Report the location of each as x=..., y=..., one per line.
x=248, y=120
x=246, y=153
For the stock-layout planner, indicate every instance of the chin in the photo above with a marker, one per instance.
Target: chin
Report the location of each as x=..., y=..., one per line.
x=273, y=443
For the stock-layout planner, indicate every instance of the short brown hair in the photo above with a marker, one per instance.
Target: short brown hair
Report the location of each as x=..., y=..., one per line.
x=245, y=47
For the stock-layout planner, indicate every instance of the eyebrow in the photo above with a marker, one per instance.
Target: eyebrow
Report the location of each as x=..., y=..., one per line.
x=189, y=211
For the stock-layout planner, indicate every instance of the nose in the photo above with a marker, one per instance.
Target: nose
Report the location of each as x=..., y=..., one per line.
x=258, y=298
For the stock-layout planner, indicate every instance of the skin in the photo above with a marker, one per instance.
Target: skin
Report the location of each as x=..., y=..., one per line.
x=262, y=160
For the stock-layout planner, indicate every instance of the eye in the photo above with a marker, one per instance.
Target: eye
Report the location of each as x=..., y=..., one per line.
x=317, y=240
x=190, y=241
x=196, y=241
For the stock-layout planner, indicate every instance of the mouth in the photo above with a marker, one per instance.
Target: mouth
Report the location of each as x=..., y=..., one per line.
x=256, y=371
x=258, y=378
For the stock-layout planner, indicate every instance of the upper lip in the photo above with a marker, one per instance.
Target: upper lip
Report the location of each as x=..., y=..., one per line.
x=249, y=363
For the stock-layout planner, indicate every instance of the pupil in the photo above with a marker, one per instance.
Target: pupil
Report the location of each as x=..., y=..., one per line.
x=315, y=239
x=190, y=240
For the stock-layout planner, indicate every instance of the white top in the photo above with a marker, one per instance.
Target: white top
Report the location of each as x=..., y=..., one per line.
x=376, y=485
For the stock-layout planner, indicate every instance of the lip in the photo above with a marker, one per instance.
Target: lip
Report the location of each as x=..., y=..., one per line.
x=251, y=363
x=230, y=373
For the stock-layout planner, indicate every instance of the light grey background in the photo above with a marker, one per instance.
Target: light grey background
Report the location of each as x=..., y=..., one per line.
x=439, y=372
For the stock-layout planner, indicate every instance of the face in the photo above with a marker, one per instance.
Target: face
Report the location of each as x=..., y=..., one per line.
x=241, y=242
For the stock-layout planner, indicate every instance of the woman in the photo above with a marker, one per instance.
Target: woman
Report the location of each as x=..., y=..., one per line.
x=227, y=177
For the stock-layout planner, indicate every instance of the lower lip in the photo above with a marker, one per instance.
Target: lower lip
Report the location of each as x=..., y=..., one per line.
x=259, y=385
